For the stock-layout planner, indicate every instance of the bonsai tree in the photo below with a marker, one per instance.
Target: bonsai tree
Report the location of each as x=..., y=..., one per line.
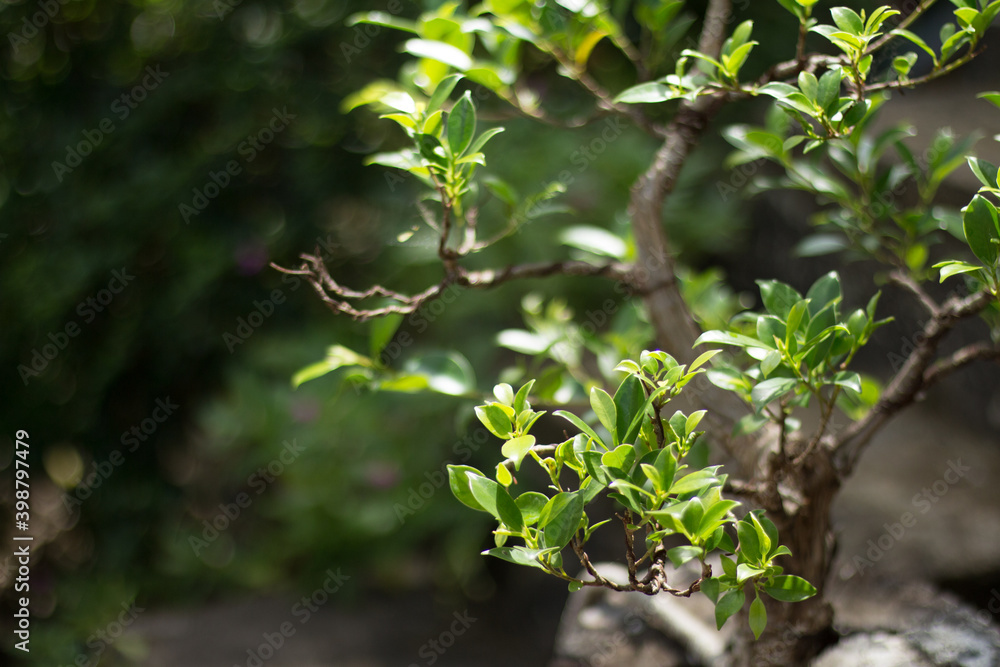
x=665, y=434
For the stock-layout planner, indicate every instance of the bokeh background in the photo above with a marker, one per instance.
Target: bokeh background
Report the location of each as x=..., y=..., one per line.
x=114, y=117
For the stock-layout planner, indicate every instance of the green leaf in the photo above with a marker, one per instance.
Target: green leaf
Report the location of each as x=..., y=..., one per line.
x=847, y=20
x=481, y=140
x=439, y=51
x=728, y=604
x=778, y=297
x=849, y=380
x=770, y=327
x=696, y=481
x=651, y=92
x=953, y=268
x=979, y=220
x=521, y=399
x=441, y=93
x=504, y=393
x=991, y=97
x=808, y=85
x=560, y=518
x=682, y=554
x=629, y=400
x=715, y=516
x=495, y=499
x=985, y=171
x=790, y=588
x=382, y=19
x=582, y=425
x=758, y=617
x=531, y=503
x=461, y=125
x=495, y=419
x=504, y=478
x=770, y=390
x=517, y=449
x=750, y=546
x=823, y=292
x=730, y=338
x=520, y=555
x=745, y=571
x=337, y=356
x=458, y=481
x=595, y=240
x=574, y=586
x=604, y=408
x=621, y=458
x=666, y=466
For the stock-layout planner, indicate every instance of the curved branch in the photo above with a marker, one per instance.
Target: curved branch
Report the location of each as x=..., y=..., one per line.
x=342, y=299
x=913, y=378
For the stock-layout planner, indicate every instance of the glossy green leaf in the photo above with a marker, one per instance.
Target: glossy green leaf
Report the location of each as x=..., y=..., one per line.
x=604, y=407
x=458, y=482
x=728, y=604
x=531, y=503
x=629, y=400
x=439, y=51
x=770, y=390
x=758, y=617
x=496, y=500
x=518, y=448
x=441, y=93
x=790, y=588
x=582, y=425
x=560, y=518
x=778, y=297
x=979, y=221
x=495, y=419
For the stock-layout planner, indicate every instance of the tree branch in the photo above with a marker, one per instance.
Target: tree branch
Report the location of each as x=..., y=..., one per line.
x=913, y=378
x=342, y=299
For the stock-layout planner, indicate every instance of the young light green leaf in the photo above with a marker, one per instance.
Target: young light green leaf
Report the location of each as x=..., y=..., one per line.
x=953, y=268
x=495, y=419
x=504, y=393
x=458, y=482
x=517, y=449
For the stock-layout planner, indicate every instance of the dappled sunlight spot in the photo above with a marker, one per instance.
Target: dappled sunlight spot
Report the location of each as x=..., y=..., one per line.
x=64, y=465
x=151, y=31
x=259, y=27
